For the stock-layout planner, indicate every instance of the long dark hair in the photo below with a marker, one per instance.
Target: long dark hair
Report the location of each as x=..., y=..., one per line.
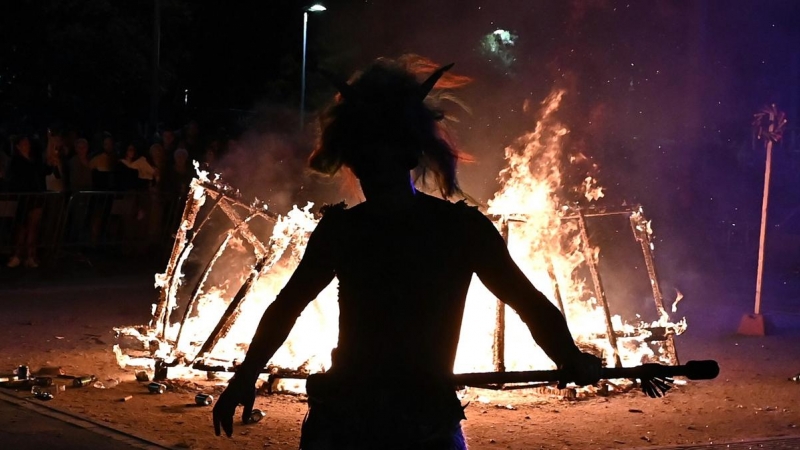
x=386, y=107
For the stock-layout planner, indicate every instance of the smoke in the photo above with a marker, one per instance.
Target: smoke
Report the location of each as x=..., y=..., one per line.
x=268, y=162
x=658, y=110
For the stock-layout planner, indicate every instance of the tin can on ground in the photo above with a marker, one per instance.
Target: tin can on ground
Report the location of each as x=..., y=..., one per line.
x=203, y=399
x=43, y=381
x=161, y=370
x=22, y=372
x=82, y=381
x=17, y=384
x=157, y=388
x=256, y=416
x=43, y=395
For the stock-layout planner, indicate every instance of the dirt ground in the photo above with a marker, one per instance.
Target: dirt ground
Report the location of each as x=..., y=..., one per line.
x=69, y=324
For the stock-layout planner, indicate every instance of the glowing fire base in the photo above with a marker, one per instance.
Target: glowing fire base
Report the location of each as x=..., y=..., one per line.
x=199, y=327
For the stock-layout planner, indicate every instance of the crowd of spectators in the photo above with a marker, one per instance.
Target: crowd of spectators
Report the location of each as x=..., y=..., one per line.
x=68, y=162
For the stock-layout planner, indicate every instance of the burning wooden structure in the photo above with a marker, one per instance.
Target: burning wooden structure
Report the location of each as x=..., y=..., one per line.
x=171, y=320
x=230, y=259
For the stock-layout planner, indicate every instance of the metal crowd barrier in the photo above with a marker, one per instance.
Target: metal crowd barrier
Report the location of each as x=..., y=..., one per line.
x=125, y=222
x=18, y=210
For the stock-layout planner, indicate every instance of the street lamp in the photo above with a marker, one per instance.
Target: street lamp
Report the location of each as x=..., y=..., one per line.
x=317, y=7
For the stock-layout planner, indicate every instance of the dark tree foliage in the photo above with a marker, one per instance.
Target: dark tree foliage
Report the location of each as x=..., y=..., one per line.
x=89, y=62
x=86, y=62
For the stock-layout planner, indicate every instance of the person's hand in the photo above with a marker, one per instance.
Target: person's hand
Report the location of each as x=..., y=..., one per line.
x=238, y=392
x=583, y=369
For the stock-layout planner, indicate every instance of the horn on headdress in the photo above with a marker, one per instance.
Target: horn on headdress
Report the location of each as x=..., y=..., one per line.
x=426, y=87
x=347, y=91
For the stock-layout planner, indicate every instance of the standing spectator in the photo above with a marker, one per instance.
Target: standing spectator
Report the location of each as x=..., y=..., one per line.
x=144, y=173
x=79, y=167
x=169, y=141
x=103, y=164
x=4, y=160
x=182, y=172
x=158, y=157
x=79, y=175
x=125, y=175
x=136, y=174
x=191, y=140
x=26, y=174
x=70, y=141
x=211, y=156
x=54, y=158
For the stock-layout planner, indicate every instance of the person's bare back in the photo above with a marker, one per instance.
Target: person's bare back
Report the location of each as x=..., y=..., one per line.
x=404, y=261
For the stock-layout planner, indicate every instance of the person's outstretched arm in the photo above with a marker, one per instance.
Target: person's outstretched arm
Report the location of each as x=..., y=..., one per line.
x=501, y=275
x=312, y=275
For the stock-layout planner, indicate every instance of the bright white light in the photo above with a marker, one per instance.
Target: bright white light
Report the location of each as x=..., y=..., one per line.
x=498, y=47
x=505, y=37
x=316, y=8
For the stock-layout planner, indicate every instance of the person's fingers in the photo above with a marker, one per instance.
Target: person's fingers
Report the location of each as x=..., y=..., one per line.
x=216, y=419
x=247, y=411
x=248, y=401
x=227, y=424
x=223, y=416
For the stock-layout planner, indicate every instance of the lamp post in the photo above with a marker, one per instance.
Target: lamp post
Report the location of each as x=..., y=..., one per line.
x=313, y=8
x=156, y=58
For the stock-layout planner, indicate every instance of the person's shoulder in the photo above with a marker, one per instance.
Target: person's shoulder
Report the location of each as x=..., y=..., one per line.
x=472, y=217
x=332, y=213
x=459, y=208
x=333, y=209
x=331, y=222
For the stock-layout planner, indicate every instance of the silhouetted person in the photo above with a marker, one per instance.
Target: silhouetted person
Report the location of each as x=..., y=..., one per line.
x=191, y=141
x=404, y=261
x=55, y=160
x=103, y=165
x=160, y=164
x=26, y=175
x=181, y=173
x=140, y=174
x=80, y=170
x=169, y=141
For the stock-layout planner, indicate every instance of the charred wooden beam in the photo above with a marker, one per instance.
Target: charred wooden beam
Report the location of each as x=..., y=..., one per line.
x=194, y=201
x=641, y=232
x=648, y=334
x=600, y=294
x=258, y=246
x=499, y=338
x=228, y=205
x=551, y=272
x=573, y=213
x=206, y=271
x=234, y=309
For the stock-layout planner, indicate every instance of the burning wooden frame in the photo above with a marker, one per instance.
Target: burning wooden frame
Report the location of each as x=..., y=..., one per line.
x=642, y=233
x=230, y=258
x=166, y=335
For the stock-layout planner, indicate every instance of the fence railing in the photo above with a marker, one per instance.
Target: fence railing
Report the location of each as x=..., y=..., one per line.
x=55, y=223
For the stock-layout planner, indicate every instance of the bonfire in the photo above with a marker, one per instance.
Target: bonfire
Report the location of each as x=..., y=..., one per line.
x=231, y=258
